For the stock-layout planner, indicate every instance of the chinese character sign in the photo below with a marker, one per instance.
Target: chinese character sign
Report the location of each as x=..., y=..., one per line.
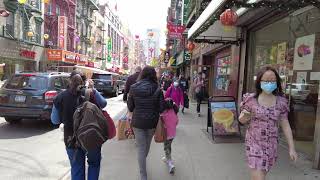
x=62, y=32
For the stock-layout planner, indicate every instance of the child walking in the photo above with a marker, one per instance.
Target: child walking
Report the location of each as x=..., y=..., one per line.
x=170, y=120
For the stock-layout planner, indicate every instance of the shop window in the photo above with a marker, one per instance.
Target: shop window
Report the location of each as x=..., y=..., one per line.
x=49, y=9
x=291, y=46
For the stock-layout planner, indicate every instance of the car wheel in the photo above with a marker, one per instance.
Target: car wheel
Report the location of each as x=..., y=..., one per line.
x=12, y=120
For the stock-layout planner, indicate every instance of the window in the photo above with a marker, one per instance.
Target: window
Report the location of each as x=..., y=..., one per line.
x=38, y=33
x=58, y=10
x=57, y=83
x=49, y=9
x=27, y=81
x=26, y=28
x=10, y=26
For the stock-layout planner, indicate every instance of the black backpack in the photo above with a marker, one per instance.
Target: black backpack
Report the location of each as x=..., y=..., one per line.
x=89, y=125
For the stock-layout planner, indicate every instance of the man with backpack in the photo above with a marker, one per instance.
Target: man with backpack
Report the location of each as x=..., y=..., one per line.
x=81, y=139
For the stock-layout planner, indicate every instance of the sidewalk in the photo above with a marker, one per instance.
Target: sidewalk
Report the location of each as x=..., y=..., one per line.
x=196, y=158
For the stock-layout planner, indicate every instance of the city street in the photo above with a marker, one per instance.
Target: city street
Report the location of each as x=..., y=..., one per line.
x=33, y=150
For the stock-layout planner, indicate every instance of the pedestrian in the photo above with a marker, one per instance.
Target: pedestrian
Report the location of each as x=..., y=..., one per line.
x=166, y=82
x=184, y=85
x=175, y=93
x=170, y=119
x=146, y=102
x=264, y=111
x=199, y=91
x=64, y=107
x=130, y=81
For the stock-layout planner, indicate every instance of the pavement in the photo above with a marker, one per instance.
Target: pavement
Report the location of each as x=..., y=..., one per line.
x=196, y=157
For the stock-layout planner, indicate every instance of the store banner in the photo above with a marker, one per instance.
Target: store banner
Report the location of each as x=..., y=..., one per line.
x=70, y=57
x=54, y=55
x=175, y=31
x=62, y=32
x=304, y=53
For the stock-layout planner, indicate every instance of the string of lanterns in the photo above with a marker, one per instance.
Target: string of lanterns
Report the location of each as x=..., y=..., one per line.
x=229, y=18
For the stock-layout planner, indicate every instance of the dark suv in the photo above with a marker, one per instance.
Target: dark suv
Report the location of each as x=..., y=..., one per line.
x=107, y=83
x=30, y=95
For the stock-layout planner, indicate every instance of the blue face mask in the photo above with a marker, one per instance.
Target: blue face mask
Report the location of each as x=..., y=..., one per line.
x=268, y=87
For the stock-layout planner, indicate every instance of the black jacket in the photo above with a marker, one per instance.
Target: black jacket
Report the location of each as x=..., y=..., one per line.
x=67, y=103
x=146, y=102
x=130, y=81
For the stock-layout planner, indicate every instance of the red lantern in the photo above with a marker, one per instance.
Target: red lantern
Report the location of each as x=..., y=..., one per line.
x=191, y=46
x=228, y=17
x=4, y=13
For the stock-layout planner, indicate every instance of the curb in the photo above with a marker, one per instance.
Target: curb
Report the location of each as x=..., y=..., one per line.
x=66, y=175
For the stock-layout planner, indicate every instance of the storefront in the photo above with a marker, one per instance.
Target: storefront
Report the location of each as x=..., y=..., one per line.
x=291, y=44
x=60, y=60
x=16, y=57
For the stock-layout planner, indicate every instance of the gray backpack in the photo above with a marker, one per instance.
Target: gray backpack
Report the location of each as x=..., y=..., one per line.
x=89, y=125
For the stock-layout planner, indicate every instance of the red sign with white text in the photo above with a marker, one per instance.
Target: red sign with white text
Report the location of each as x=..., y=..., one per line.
x=28, y=54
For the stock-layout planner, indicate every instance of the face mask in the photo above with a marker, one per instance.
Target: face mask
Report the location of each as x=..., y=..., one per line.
x=175, y=84
x=268, y=87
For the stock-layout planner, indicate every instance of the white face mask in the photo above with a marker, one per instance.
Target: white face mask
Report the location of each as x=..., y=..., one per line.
x=175, y=84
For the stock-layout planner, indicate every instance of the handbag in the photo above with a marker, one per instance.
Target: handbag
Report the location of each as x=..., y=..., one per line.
x=111, y=125
x=160, y=134
x=110, y=122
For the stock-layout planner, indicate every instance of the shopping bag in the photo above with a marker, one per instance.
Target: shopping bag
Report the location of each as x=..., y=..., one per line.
x=160, y=135
x=129, y=131
x=111, y=126
x=121, y=127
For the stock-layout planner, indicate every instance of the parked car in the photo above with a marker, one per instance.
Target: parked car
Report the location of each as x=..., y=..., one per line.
x=122, y=83
x=30, y=95
x=107, y=83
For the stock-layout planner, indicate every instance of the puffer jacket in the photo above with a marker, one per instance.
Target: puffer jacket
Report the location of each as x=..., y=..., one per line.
x=146, y=102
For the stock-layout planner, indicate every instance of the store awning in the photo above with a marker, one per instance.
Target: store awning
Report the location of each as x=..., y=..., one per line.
x=212, y=8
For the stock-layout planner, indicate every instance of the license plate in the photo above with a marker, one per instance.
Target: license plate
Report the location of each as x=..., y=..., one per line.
x=20, y=98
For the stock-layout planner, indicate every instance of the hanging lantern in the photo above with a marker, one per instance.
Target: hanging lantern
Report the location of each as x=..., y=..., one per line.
x=46, y=36
x=191, y=46
x=4, y=13
x=30, y=34
x=229, y=18
x=22, y=1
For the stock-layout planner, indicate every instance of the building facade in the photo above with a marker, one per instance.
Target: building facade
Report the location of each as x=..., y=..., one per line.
x=285, y=37
x=21, y=37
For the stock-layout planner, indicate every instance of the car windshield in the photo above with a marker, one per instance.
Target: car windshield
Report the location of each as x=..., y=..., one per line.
x=28, y=82
x=102, y=76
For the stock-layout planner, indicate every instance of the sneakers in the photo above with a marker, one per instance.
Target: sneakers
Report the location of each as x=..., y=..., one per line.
x=171, y=167
x=170, y=164
x=199, y=114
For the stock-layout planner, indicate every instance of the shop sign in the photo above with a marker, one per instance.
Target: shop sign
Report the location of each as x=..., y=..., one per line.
x=28, y=54
x=62, y=32
x=54, y=55
x=82, y=59
x=180, y=58
x=70, y=57
x=187, y=56
x=175, y=31
x=166, y=57
x=90, y=64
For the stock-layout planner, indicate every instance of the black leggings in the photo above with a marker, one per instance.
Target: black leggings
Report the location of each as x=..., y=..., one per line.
x=199, y=97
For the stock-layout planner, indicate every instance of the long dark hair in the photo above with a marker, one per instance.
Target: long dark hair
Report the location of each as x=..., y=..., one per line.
x=148, y=73
x=278, y=91
x=75, y=83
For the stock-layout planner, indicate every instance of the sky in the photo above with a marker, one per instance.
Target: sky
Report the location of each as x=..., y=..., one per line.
x=142, y=15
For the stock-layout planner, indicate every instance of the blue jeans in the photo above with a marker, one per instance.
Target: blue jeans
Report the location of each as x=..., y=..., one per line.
x=77, y=159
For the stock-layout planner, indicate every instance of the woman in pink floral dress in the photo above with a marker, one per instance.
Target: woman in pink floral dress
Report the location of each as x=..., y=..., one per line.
x=264, y=111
